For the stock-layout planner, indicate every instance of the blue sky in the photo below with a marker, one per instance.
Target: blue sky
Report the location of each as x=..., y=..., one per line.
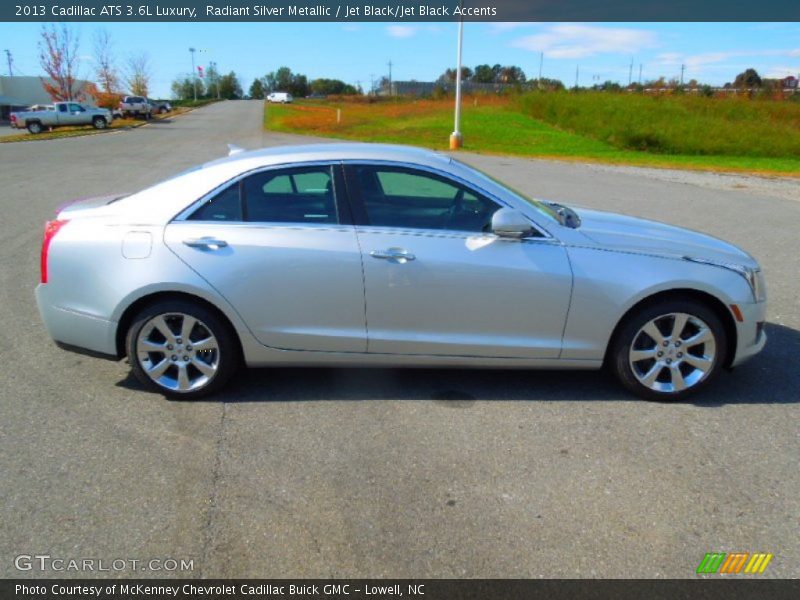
x=712, y=52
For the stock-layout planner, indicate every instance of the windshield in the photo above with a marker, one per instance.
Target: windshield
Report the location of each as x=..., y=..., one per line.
x=543, y=207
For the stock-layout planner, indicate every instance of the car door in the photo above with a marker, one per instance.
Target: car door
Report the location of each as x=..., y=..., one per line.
x=76, y=115
x=279, y=247
x=437, y=282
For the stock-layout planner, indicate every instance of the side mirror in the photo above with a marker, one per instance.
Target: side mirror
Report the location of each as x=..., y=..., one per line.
x=511, y=223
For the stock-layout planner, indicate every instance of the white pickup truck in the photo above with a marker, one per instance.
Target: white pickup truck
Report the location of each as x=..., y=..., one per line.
x=61, y=114
x=135, y=106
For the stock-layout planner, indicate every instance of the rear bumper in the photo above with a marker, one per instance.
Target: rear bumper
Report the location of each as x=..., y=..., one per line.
x=751, y=334
x=72, y=328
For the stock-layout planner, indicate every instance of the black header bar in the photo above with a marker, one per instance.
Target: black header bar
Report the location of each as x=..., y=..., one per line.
x=401, y=10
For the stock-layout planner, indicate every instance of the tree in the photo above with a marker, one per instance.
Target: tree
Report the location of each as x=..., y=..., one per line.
x=212, y=80
x=328, y=87
x=257, y=89
x=229, y=87
x=58, y=56
x=483, y=74
x=104, y=58
x=183, y=87
x=449, y=76
x=283, y=80
x=138, y=75
x=511, y=74
x=747, y=79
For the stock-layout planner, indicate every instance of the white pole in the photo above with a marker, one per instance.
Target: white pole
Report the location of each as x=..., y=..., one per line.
x=456, y=139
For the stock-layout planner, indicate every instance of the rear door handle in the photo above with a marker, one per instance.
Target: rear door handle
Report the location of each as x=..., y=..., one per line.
x=397, y=255
x=205, y=242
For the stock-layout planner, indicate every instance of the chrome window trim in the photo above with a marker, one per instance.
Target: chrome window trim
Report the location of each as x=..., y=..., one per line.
x=544, y=234
x=188, y=211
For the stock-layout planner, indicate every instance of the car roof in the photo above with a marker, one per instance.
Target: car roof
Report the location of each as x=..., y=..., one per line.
x=334, y=151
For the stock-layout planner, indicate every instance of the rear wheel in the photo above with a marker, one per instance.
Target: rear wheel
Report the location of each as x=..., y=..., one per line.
x=35, y=127
x=669, y=350
x=99, y=123
x=181, y=350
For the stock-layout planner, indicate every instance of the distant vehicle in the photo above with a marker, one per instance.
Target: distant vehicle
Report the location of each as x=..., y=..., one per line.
x=135, y=106
x=280, y=97
x=61, y=114
x=316, y=96
x=160, y=106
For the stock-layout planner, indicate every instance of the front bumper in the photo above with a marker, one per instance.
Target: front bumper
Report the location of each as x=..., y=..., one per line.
x=74, y=328
x=751, y=334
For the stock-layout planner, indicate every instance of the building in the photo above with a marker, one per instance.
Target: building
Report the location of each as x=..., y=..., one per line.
x=17, y=93
x=789, y=83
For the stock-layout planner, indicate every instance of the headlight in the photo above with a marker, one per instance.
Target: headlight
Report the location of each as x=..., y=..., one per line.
x=753, y=276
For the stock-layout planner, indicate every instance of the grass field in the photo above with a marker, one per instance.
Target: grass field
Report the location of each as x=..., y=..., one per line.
x=680, y=132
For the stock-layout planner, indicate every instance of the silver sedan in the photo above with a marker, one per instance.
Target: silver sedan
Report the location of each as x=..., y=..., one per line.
x=358, y=254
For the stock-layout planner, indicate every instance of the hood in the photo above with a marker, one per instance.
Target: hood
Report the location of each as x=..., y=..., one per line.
x=631, y=234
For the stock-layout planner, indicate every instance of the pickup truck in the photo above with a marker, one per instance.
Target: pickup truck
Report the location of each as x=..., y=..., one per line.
x=135, y=106
x=60, y=115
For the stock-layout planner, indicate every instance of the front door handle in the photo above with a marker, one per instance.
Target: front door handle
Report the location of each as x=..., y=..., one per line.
x=397, y=255
x=205, y=242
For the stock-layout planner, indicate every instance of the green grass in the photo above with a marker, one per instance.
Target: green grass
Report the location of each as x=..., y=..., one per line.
x=501, y=126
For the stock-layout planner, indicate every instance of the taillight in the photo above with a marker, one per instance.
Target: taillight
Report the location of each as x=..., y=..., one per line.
x=51, y=228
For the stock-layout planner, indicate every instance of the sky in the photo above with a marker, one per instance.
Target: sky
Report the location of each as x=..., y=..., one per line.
x=711, y=52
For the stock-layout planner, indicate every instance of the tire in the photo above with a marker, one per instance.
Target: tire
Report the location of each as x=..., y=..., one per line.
x=99, y=123
x=163, y=110
x=34, y=127
x=166, y=355
x=660, y=366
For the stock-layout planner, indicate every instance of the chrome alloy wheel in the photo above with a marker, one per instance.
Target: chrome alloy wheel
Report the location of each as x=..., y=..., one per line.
x=178, y=352
x=673, y=352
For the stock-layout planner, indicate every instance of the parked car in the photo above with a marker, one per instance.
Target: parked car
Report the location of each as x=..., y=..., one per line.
x=359, y=254
x=160, y=106
x=135, y=106
x=59, y=115
x=280, y=97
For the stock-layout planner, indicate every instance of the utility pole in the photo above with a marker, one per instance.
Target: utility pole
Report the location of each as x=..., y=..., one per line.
x=683, y=68
x=640, y=73
x=541, y=62
x=630, y=73
x=577, y=74
x=456, y=139
x=194, y=75
x=390, y=77
x=10, y=60
x=371, y=84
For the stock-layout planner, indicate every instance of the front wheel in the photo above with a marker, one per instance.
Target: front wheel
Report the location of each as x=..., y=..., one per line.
x=181, y=349
x=669, y=350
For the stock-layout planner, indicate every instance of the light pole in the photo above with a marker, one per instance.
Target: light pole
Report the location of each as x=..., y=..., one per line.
x=456, y=139
x=194, y=75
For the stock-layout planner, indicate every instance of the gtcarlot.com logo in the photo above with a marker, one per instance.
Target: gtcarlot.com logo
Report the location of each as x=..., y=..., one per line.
x=45, y=562
x=735, y=562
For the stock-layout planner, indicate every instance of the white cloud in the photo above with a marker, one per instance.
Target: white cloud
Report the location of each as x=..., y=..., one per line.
x=580, y=41
x=401, y=31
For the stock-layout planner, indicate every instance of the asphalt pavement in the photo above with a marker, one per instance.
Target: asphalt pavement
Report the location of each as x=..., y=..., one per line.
x=391, y=472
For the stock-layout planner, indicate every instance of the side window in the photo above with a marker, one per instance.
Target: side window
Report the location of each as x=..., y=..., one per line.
x=62, y=108
x=75, y=108
x=225, y=206
x=414, y=199
x=299, y=195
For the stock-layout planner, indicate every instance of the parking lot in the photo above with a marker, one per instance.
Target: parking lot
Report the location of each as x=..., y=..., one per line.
x=393, y=473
